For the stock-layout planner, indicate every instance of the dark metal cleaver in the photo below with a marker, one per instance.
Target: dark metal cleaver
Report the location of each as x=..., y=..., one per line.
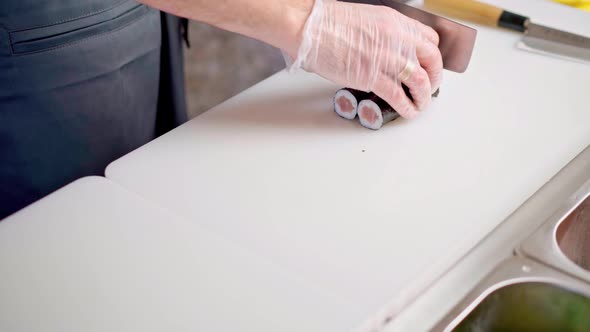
x=456, y=40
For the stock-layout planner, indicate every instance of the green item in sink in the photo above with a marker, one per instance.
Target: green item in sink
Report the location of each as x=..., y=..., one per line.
x=523, y=307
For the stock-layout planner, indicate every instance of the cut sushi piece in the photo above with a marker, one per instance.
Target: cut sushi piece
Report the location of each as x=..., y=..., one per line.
x=346, y=102
x=375, y=112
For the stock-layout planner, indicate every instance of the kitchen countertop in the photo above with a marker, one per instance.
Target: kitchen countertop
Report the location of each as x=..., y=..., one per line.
x=271, y=213
x=95, y=257
x=439, y=298
x=373, y=218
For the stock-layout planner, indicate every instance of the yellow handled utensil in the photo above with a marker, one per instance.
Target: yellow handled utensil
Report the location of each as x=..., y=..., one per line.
x=580, y=4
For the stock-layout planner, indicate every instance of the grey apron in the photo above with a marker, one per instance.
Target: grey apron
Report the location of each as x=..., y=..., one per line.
x=82, y=82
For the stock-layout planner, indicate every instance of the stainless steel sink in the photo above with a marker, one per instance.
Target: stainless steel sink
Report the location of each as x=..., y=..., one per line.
x=529, y=307
x=545, y=286
x=563, y=241
x=573, y=235
x=531, y=273
x=522, y=295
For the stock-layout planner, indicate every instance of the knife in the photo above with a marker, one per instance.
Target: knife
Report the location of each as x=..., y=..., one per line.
x=456, y=40
x=536, y=37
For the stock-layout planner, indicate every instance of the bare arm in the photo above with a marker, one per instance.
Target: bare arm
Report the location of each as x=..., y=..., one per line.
x=276, y=22
x=370, y=48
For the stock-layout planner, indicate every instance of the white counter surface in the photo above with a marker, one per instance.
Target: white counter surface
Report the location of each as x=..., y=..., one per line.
x=371, y=218
x=94, y=257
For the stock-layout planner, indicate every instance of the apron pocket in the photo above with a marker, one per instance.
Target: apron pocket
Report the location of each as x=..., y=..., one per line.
x=70, y=32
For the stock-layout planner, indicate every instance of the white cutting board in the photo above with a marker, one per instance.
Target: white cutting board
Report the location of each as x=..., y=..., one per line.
x=94, y=257
x=372, y=217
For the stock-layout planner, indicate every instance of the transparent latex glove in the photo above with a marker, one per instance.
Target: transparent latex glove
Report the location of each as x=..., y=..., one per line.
x=371, y=48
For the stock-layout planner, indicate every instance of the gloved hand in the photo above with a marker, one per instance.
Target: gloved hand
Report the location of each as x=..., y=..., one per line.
x=372, y=48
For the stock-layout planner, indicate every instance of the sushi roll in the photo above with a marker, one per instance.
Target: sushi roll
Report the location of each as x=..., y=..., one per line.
x=407, y=91
x=346, y=102
x=374, y=112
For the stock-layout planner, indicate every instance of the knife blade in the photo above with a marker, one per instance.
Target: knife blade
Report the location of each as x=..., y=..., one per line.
x=540, y=42
x=536, y=37
x=456, y=40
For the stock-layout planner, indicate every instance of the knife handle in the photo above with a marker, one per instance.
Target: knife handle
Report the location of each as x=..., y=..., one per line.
x=479, y=12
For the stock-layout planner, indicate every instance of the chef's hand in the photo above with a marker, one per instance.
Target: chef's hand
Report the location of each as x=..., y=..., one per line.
x=371, y=48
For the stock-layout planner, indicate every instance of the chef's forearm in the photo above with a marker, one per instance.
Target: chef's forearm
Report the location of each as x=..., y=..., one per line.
x=277, y=22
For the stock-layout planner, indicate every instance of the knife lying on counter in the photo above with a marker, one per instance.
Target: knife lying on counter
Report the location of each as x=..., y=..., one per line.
x=536, y=37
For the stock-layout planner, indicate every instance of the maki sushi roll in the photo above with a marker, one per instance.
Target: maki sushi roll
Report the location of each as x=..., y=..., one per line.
x=374, y=112
x=346, y=102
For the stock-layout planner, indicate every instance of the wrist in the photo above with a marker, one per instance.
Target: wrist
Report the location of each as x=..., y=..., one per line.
x=295, y=16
